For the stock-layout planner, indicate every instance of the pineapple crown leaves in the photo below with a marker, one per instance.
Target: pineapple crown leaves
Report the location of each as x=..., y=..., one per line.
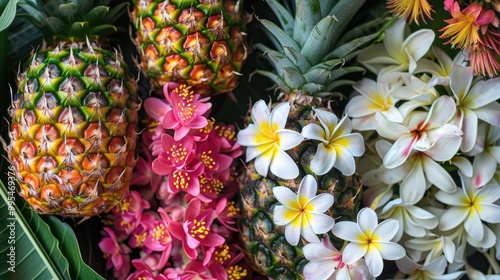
x=311, y=48
x=72, y=20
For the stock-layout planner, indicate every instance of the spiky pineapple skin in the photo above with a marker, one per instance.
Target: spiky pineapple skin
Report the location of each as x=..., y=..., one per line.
x=197, y=42
x=263, y=242
x=73, y=130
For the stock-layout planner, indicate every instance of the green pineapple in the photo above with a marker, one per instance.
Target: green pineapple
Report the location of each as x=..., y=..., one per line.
x=74, y=115
x=309, y=55
x=197, y=42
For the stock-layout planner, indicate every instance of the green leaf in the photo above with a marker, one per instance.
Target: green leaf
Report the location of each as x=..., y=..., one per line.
x=279, y=34
x=344, y=11
x=292, y=77
x=307, y=15
x=347, y=48
x=116, y=12
x=97, y=14
x=319, y=42
x=285, y=18
x=8, y=14
x=43, y=250
x=67, y=243
x=69, y=12
x=300, y=61
x=53, y=25
x=279, y=60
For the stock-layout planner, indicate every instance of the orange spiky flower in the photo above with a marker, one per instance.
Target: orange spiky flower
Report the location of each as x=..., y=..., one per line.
x=411, y=9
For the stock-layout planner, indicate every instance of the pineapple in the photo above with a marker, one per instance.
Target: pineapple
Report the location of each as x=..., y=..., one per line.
x=74, y=115
x=197, y=42
x=309, y=54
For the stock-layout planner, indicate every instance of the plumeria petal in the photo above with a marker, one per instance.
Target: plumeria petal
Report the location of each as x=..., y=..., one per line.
x=320, y=203
x=260, y=113
x=374, y=262
x=489, y=113
x=460, y=81
x=353, y=252
x=345, y=161
x=283, y=215
x=418, y=44
x=399, y=151
x=389, y=130
x=321, y=223
x=391, y=250
x=484, y=167
x=246, y=137
x=307, y=189
x=284, y=166
x=293, y=231
x=314, y=132
x=263, y=162
x=455, y=198
x=328, y=120
x=386, y=230
x=413, y=187
x=489, y=212
x=352, y=142
x=288, y=139
x=437, y=175
x=279, y=115
x=348, y=231
x=318, y=270
x=323, y=160
x=367, y=220
x=307, y=231
x=474, y=226
x=483, y=93
x=286, y=197
x=453, y=217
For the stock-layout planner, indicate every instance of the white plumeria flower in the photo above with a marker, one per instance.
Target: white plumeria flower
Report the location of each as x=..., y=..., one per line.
x=471, y=206
x=375, y=97
x=412, y=219
x=325, y=263
x=487, y=155
x=440, y=69
x=267, y=140
x=419, y=132
x=473, y=103
x=434, y=270
x=338, y=145
x=397, y=55
x=416, y=93
x=421, y=169
x=302, y=213
x=435, y=245
x=369, y=239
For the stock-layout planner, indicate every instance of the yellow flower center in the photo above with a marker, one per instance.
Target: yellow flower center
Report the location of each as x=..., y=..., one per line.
x=236, y=272
x=199, y=229
x=222, y=253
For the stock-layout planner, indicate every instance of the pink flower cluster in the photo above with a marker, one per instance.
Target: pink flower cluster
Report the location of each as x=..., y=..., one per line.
x=178, y=221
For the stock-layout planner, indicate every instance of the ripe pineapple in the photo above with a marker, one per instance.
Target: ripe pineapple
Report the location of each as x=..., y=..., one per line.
x=309, y=55
x=74, y=115
x=197, y=42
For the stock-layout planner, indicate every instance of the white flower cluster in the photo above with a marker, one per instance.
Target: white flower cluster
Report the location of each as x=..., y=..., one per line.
x=432, y=132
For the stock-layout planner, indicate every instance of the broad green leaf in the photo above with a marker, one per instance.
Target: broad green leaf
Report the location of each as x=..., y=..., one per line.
x=67, y=243
x=318, y=76
x=116, y=12
x=284, y=17
x=8, y=14
x=36, y=249
x=53, y=25
x=45, y=248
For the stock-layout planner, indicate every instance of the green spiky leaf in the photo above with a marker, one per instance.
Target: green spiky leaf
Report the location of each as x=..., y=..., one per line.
x=284, y=17
x=68, y=12
x=279, y=34
x=279, y=60
x=347, y=48
x=318, y=76
x=300, y=61
x=307, y=15
x=53, y=25
x=292, y=77
x=319, y=42
x=97, y=14
x=344, y=11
